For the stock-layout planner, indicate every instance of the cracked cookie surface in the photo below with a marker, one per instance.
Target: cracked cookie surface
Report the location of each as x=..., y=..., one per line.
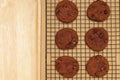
x=66, y=38
x=97, y=66
x=66, y=11
x=97, y=38
x=98, y=11
x=67, y=66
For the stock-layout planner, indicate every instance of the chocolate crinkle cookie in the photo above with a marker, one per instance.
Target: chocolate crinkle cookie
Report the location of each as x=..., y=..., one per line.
x=66, y=38
x=67, y=66
x=97, y=38
x=97, y=66
x=98, y=11
x=66, y=11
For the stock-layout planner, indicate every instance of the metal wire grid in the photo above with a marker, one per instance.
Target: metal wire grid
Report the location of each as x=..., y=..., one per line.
x=82, y=53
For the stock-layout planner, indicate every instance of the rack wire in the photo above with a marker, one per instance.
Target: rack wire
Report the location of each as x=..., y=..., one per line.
x=82, y=53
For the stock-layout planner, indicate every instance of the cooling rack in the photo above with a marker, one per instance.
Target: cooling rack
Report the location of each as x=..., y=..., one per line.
x=81, y=53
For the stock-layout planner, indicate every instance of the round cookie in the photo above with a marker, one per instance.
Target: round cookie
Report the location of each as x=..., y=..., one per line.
x=67, y=66
x=97, y=38
x=97, y=66
x=66, y=11
x=98, y=11
x=66, y=38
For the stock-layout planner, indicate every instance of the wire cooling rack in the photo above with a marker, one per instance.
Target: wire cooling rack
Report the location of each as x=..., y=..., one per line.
x=82, y=53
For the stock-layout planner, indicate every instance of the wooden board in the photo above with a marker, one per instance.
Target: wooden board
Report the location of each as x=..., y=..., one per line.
x=19, y=40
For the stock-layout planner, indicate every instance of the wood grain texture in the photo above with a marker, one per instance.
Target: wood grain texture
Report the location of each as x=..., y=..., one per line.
x=18, y=44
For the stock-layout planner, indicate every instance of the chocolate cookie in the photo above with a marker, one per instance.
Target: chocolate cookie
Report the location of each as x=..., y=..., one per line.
x=66, y=38
x=97, y=38
x=67, y=66
x=66, y=11
x=97, y=66
x=98, y=11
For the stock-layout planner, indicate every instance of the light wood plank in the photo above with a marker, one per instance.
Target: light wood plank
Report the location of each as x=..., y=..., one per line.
x=18, y=46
